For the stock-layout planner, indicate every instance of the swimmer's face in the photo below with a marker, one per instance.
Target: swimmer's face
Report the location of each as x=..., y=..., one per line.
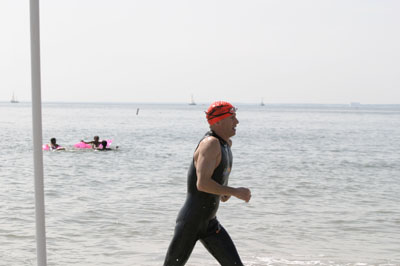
x=96, y=138
x=228, y=125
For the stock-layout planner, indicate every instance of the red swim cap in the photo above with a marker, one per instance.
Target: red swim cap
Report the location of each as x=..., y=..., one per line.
x=218, y=111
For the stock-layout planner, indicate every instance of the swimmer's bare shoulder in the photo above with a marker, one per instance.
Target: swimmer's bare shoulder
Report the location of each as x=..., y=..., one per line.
x=209, y=148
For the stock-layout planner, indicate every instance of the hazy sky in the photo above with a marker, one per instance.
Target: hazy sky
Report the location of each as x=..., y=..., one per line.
x=163, y=51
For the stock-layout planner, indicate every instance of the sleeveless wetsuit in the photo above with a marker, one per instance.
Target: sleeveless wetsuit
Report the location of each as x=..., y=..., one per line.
x=196, y=220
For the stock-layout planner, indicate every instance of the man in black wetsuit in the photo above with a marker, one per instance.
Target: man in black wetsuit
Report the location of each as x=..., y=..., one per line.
x=207, y=185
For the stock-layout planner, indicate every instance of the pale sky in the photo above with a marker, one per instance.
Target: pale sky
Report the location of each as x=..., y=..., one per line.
x=285, y=51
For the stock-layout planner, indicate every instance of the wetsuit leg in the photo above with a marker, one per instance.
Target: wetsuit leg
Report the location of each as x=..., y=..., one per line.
x=182, y=244
x=220, y=245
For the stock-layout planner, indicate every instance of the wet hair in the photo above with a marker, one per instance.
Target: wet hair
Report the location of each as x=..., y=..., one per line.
x=53, y=140
x=104, y=143
x=96, y=137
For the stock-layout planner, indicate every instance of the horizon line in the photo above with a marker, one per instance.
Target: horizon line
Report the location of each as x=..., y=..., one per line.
x=206, y=103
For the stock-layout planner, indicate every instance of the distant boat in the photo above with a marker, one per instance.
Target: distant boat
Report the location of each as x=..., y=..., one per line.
x=14, y=99
x=262, y=102
x=192, y=101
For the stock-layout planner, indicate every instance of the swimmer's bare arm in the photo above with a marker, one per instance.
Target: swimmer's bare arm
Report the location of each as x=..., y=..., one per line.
x=207, y=157
x=225, y=198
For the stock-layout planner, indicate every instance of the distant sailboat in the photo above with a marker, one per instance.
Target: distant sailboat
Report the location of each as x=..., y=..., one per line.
x=262, y=102
x=14, y=99
x=192, y=101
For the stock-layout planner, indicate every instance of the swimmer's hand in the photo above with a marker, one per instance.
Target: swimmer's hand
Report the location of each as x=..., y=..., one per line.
x=243, y=193
x=225, y=198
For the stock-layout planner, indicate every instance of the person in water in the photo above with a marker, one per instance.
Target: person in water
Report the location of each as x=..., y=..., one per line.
x=54, y=146
x=95, y=142
x=103, y=146
x=207, y=185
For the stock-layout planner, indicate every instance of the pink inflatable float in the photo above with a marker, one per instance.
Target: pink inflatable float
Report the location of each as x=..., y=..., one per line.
x=46, y=147
x=83, y=145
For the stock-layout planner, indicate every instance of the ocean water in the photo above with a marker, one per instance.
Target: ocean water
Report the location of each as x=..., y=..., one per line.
x=325, y=182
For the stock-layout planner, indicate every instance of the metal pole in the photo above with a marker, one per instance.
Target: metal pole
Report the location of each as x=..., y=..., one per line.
x=37, y=134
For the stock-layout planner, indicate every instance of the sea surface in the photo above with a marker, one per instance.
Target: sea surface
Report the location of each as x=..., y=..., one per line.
x=325, y=181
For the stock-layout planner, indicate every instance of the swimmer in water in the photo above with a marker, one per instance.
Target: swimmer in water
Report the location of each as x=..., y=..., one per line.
x=207, y=185
x=95, y=142
x=103, y=146
x=54, y=146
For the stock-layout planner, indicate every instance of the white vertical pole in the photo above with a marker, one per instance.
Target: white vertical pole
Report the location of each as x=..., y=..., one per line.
x=37, y=134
